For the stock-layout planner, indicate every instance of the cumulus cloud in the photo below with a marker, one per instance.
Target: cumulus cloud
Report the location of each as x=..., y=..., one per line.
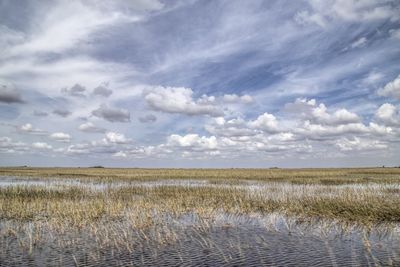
x=117, y=138
x=7, y=145
x=309, y=110
x=180, y=100
x=266, y=122
x=358, y=144
x=112, y=114
x=388, y=114
x=196, y=147
x=380, y=129
x=102, y=90
x=76, y=90
x=89, y=127
x=230, y=128
x=28, y=128
x=120, y=154
x=193, y=141
x=391, y=89
x=62, y=112
x=9, y=94
x=147, y=118
x=41, y=146
x=234, y=98
x=318, y=131
x=61, y=137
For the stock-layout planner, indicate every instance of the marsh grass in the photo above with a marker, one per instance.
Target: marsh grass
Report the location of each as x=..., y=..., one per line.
x=367, y=204
x=154, y=208
x=299, y=176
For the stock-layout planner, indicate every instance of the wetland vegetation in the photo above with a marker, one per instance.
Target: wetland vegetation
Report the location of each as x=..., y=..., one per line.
x=139, y=216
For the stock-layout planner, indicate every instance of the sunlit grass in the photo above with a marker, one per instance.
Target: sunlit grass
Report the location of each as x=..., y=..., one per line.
x=359, y=203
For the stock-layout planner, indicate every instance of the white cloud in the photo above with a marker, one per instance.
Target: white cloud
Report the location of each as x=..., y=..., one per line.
x=318, y=131
x=266, y=122
x=388, y=114
x=77, y=149
x=323, y=12
x=120, y=154
x=359, y=42
x=89, y=127
x=391, y=89
x=61, y=137
x=309, y=110
x=354, y=10
x=305, y=17
x=41, y=146
x=117, y=138
x=28, y=128
x=193, y=141
x=373, y=77
x=234, y=98
x=232, y=127
x=72, y=22
x=8, y=146
x=180, y=100
x=357, y=144
x=380, y=129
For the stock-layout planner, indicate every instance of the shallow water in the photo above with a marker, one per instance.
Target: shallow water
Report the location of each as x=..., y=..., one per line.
x=250, y=185
x=226, y=240
x=189, y=240
x=7, y=181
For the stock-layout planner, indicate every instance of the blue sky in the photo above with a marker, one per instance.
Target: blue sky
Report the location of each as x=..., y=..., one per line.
x=200, y=83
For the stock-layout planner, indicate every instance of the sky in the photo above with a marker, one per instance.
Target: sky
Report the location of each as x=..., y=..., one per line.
x=152, y=83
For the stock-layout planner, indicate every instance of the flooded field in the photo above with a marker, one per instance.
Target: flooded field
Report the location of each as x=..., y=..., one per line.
x=225, y=240
x=89, y=220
